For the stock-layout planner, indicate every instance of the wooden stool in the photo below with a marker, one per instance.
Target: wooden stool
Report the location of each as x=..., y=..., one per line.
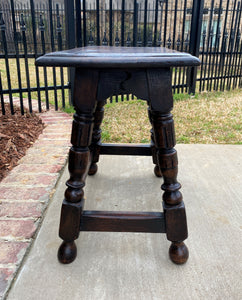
x=99, y=73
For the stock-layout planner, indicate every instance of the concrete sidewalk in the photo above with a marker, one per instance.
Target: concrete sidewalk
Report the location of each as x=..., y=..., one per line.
x=134, y=265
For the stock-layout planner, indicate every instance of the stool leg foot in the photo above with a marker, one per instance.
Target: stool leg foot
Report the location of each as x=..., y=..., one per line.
x=154, y=150
x=157, y=171
x=93, y=169
x=67, y=252
x=96, y=137
x=178, y=253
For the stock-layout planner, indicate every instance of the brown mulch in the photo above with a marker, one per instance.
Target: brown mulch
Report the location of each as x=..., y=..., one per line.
x=17, y=134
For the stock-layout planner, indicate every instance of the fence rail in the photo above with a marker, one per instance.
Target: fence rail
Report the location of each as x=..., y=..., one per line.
x=210, y=30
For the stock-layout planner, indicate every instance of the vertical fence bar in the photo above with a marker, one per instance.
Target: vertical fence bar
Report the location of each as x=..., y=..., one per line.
x=53, y=49
x=98, y=22
x=23, y=30
x=202, y=60
x=150, y=29
x=42, y=34
x=105, y=34
x=238, y=59
x=223, y=46
x=209, y=55
x=169, y=40
x=223, y=59
x=1, y=96
x=209, y=38
x=127, y=27
x=110, y=22
x=196, y=27
x=240, y=64
x=90, y=38
x=182, y=70
x=84, y=22
x=145, y=23
x=230, y=47
x=174, y=26
x=235, y=60
x=135, y=23
x=70, y=37
x=185, y=73
x=165, y=24
x=218, y=36
x=122, y=22
x=78, y=24
x=209, y=44
x=17, y=57
x=59, y=40
x=233, y=45
x=5, y=48
x=175, y=43
x=35, y=51
x=159, y=42
x=156, y=21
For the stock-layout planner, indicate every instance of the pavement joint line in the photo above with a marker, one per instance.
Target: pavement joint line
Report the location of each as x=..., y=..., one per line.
x=49, y=139
x=52, y=164
x=9, y=266
x=27, y=201
x=20, y=201
x=38, y=173
x=4, y=239
x=14, y=184
x=17, y=219
x=60, y=124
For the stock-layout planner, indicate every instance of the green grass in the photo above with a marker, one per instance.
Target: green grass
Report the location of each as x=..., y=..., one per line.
x=213, y=117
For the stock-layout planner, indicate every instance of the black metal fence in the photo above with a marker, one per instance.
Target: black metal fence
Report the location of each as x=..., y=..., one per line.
x=210, y=30
x=28, y=31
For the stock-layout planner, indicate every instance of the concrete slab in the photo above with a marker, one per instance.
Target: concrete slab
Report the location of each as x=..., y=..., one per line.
x=136, y=265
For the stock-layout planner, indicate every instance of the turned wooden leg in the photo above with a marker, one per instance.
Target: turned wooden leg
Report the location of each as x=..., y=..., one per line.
x=96, y=137
x=174, y=210
x=157, y=170
x=72, y=207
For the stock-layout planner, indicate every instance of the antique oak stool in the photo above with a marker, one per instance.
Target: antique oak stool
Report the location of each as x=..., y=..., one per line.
x=101, y=72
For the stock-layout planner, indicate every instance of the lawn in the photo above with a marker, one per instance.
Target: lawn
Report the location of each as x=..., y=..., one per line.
x=208, y=117
x=214, y=117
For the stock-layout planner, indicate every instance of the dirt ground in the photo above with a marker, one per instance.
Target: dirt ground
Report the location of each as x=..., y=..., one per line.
x=17, y=134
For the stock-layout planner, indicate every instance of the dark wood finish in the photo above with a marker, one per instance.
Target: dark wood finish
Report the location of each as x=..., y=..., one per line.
x=175, y=218
x=118, y=57
x=178, y=253
x=96, y=138
x=123, y=221
x=100, y=73
x=70, y=220
x=157, y=170
x=67, y=252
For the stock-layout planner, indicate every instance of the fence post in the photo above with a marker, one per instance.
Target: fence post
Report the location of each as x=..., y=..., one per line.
x=70, y=39
x=195, y=36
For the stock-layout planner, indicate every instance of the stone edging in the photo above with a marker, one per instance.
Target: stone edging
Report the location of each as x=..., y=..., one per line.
x=26, y=191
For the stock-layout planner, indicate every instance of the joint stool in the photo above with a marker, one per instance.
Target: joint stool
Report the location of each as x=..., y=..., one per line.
x=101, y=72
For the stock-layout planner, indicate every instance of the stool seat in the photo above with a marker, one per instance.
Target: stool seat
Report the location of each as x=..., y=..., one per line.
x=101, y=72
x=114, y=57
